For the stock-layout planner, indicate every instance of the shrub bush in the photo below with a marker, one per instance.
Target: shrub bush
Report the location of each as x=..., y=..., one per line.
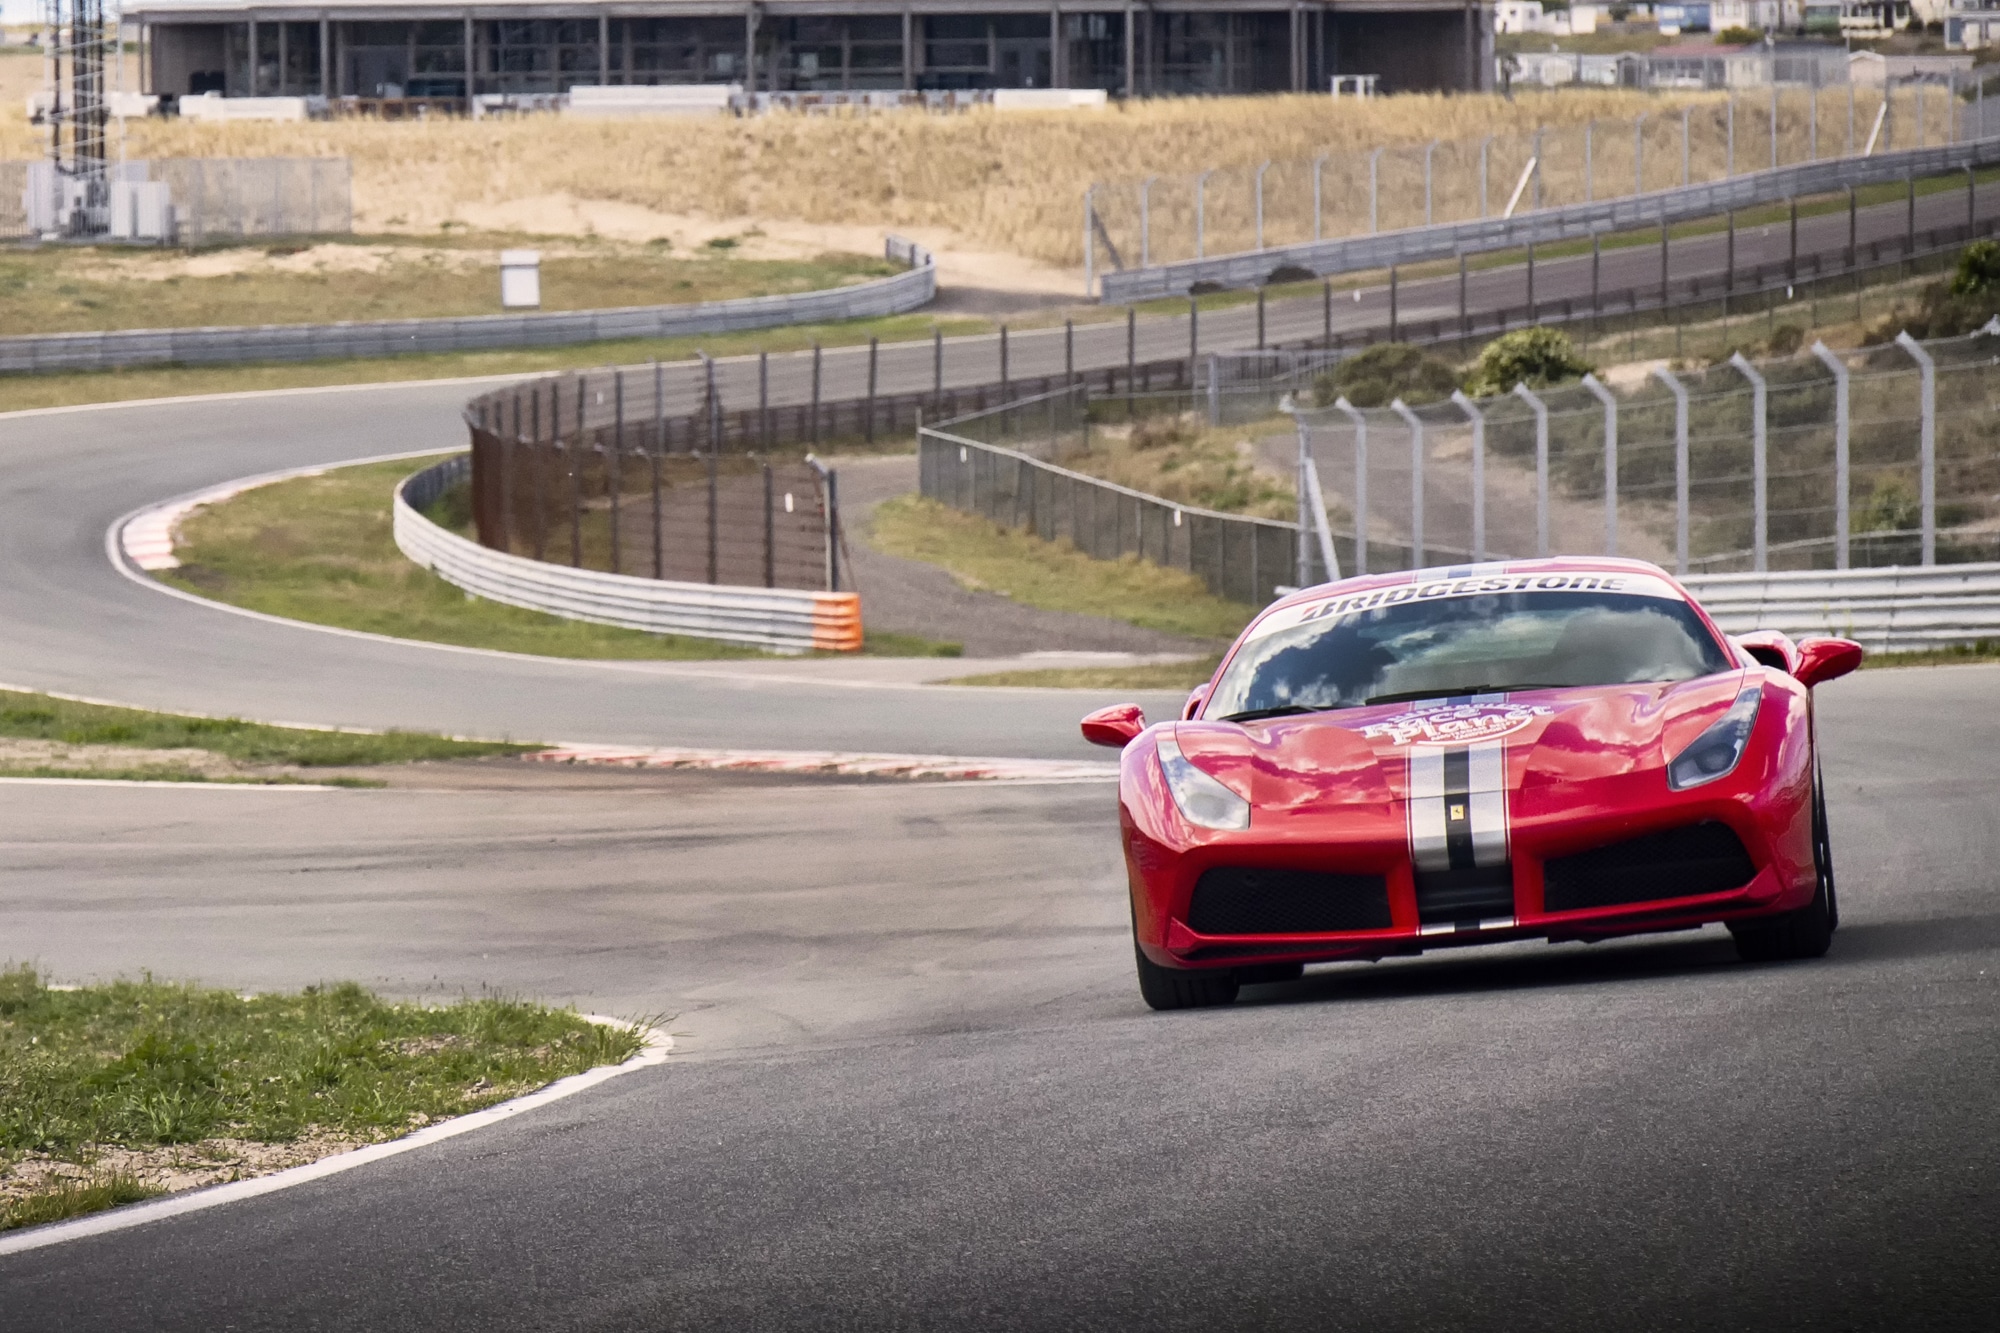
x=1385, y=372
x=1536, y=357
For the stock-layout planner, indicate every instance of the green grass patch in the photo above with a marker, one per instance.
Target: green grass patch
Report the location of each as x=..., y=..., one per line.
x=69, y=289
x=1153, y=676
x=1055, y=576
x=22, y=392
x=1981, y=650
x=321, y=549
x=161, y=1069
x=39, y=717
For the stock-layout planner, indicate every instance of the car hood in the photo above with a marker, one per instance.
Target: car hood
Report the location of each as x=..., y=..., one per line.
x=1361, y=755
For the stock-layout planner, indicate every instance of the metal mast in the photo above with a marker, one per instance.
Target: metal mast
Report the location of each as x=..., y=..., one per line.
x=78, y=46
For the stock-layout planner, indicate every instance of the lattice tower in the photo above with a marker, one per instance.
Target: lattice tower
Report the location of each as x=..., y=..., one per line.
x=79, y=46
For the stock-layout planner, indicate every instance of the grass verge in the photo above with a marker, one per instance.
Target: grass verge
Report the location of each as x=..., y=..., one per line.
x=112, y=1093
x=322, y=549
x=1981, y=650
x=1055, y=576
x=1153, y=676
x=41, y=736
x=62, y=289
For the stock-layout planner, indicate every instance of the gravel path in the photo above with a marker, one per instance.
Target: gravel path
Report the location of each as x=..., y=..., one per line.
x=911, y=597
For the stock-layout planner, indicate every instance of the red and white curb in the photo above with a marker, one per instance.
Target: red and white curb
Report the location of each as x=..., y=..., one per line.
x=658, y=1044
x=835, y=763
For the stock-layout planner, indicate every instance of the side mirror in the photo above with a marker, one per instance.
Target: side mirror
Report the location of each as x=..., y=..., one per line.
x=1196, y=698
x=1821, y=660
x=1772, y=649
x=1115, y=726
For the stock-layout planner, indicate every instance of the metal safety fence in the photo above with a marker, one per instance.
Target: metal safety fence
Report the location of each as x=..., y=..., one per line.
x=1554, y=223
x=1141, y=222
x=967, y=464
x=784, y=619
x=1886, y=456
x=898, y=293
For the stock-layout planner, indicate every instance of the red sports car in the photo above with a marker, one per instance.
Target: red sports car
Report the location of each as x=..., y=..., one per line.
x=1564, y=749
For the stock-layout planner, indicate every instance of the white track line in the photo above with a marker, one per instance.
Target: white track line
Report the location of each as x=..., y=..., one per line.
x=658, y=1044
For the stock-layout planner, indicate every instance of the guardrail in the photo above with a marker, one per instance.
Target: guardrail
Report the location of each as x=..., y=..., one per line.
x=1898, y=609
x=893, y=295
x=1449, y=240
x=787, y=620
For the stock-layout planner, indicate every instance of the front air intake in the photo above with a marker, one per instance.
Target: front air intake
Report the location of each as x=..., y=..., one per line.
x=1246, y=900
x=1677, y=863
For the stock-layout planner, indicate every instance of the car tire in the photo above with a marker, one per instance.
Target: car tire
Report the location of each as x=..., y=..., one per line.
x=1182, y=988
x=1808, y=931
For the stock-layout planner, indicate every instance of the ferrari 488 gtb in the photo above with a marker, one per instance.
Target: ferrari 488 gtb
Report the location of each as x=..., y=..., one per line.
x=1562, y=749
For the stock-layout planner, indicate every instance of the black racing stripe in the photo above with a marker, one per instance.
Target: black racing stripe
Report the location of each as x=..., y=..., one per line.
x=1458, y=807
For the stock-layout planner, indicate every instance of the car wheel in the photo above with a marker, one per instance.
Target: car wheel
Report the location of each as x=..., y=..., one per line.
x=1823, y=852
x=1807, y=932
x=1182, y=988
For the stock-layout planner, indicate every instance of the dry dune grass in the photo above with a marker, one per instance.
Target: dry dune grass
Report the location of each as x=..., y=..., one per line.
x=1010, y=182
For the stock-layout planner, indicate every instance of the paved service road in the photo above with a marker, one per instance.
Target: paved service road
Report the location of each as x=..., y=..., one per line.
x=916, y=1088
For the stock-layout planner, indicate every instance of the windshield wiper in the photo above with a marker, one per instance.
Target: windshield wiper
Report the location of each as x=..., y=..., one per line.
x=1282, y=710
x=1457, y=690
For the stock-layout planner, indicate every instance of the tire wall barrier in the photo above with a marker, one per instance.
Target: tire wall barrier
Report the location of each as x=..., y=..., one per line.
x=782, y=619
x=893, y=295
x=1576, y=221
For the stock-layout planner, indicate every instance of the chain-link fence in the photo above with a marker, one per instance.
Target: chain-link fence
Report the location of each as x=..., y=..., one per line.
x=207, y=199
x=1883, y=456
x=1234, y=209
x=630, y=502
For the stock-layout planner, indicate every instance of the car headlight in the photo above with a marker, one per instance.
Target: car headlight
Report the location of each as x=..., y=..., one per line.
x=1202, y=800
x=1716, y=752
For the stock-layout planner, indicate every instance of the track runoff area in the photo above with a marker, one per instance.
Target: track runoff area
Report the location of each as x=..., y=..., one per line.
x=913, y=1084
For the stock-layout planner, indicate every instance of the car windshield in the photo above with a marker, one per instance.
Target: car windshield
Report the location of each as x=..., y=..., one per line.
x=1327, y=656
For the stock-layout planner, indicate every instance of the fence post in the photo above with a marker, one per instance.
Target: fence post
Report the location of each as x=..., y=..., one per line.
x=1910, y=225
x=1416, y=425
x=764, y=399
x=1089, y=239
x=1302, y=571
x=868, y=417
x=1360, y=422
x=1531, y=282
x=1478, y=420
x=711, y=518
x=1264, y=167
x=1201, y=214
x=1131, y=354
x=813, y=433
x=1589, y=161
x=1260, y=319
x=1392, y=303
x=1003, y=362
x=1792, y=259
x=1319, y=164
x=1638, y=154
x=1687, y=151
x=1146, y=222
x=1774, y=124
x=1214, y=389
x=1069, y=352
x=1194, y=334
x=1596, y=269
x=1541, y=411
x=1666, y=232
x=1680, y=393
x=1927, y=444
x=1610, y=401
x=1971, y=203
x=937, y=370
x=1853, y=221
x=1759, y=474
x=1464, y=312
x=576, y=482
x=1729, y=152
x=1429, y=149
x=660, y=405
x=1484, y=144
x=1374, y=191
x=1840, y=452
x=1326, y=311
x=614, y=480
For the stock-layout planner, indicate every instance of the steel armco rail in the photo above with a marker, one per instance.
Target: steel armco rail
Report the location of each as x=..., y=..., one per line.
x=1898, y=609
x=787, y=620
x=893, y=295
x=1449, y=240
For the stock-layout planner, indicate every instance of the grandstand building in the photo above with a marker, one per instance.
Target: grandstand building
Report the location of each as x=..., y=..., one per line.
x=402, y=49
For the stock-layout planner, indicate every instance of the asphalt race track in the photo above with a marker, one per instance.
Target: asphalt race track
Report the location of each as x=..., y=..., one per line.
x=916, y=1087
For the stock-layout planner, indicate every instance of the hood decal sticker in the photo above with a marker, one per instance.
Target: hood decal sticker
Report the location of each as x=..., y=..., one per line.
x=1452, y=723
x=1457, y=799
